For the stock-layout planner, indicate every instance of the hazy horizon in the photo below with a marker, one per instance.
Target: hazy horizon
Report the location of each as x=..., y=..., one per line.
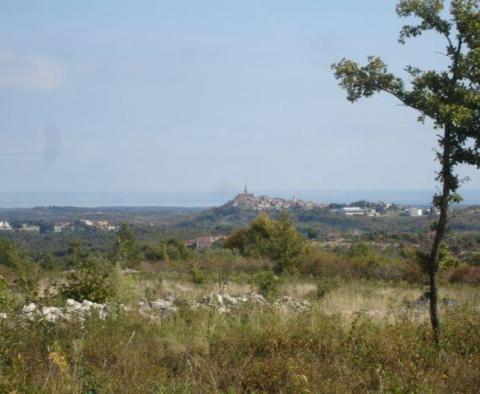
x=199, y=199
x=205, y=96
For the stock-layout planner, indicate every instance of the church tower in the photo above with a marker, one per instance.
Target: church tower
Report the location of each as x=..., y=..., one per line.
x=245, y=190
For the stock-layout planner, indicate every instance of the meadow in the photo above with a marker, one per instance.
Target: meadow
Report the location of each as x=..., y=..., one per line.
x=356, y=336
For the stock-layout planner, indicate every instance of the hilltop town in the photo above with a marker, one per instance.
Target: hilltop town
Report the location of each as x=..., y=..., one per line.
x=248, y=200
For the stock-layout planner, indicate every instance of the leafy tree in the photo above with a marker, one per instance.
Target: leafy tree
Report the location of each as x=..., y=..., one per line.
x=76, y=254
x=312, y=233
x=276, y=239
x=126, y=249
x=47, y=261
x=6, y=252
x=176, y=250
x=451, y=99
x=286, y=246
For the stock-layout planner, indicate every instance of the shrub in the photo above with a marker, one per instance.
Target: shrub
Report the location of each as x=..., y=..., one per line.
x=5, y=295
x=466, y=274
x=196, y=275
x=268, y=284
x=90, y=282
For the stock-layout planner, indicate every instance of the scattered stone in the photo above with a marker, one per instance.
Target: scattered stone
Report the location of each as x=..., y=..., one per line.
x=52, y=313
x=293, y=304
x=450, y=303
x=130, y=271
x=160, y=308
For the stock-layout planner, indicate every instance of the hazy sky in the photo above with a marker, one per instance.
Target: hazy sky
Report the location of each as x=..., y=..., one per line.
x=204, y=96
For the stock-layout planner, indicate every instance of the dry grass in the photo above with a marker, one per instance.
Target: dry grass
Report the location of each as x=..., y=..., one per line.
x=360, y=338
x=378, y=300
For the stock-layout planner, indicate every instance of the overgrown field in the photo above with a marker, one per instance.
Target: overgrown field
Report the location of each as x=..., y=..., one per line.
x=356, y=337
x=266, y=311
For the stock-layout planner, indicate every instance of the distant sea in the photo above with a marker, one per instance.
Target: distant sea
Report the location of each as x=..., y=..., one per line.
x=210, y=199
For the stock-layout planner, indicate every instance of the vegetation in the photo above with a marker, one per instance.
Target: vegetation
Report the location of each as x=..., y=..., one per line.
x=341, y=317
x=89, y=281
x=126, y=250
x=450, y=99
x=276, y=239
x=257, y=350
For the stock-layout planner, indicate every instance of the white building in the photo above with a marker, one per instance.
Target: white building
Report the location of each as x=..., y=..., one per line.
x=58, y=228
x=5, y=226
x=415, y=212
x=104, y=225
x=30, y=227
x=353, y=211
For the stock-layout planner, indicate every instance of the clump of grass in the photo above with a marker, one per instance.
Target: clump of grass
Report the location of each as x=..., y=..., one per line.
x=325, y=286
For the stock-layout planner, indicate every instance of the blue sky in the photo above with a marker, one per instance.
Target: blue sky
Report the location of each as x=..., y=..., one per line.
x=204, y=96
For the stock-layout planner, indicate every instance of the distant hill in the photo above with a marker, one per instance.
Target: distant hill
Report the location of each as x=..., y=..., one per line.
x=241, y=210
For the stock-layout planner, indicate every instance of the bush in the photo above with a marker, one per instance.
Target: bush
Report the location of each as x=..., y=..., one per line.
x=7, y=250
x=90, y=282
x=5, y=295
x=466, y=274
x=268, y=284
x=196, y=275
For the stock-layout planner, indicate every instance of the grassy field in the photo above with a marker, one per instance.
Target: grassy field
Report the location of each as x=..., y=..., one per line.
x=359, y=337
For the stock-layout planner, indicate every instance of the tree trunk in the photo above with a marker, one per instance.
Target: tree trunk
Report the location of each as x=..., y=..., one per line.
x=445, y=176
x=432, y=271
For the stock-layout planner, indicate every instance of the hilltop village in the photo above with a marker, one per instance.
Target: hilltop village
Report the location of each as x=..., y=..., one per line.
x=248, y=200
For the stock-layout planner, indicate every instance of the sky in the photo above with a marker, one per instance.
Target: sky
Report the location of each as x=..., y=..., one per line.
x=137, y=96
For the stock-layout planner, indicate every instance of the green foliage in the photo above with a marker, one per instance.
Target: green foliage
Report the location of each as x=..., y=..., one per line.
x=27, y=275
x=76, y=254
x=175, y=250
x=171, y=250
x=6, y=298
x=446, y=259
x=47, y=261
x=197, y=276
x=6, y=253
x=268, y=284
x=277, y=240
x=89, y=282
x=312, y=233
x=126, y=250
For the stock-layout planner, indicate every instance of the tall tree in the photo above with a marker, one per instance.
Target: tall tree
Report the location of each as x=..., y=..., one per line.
x=451, y=99
x=126, y=249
